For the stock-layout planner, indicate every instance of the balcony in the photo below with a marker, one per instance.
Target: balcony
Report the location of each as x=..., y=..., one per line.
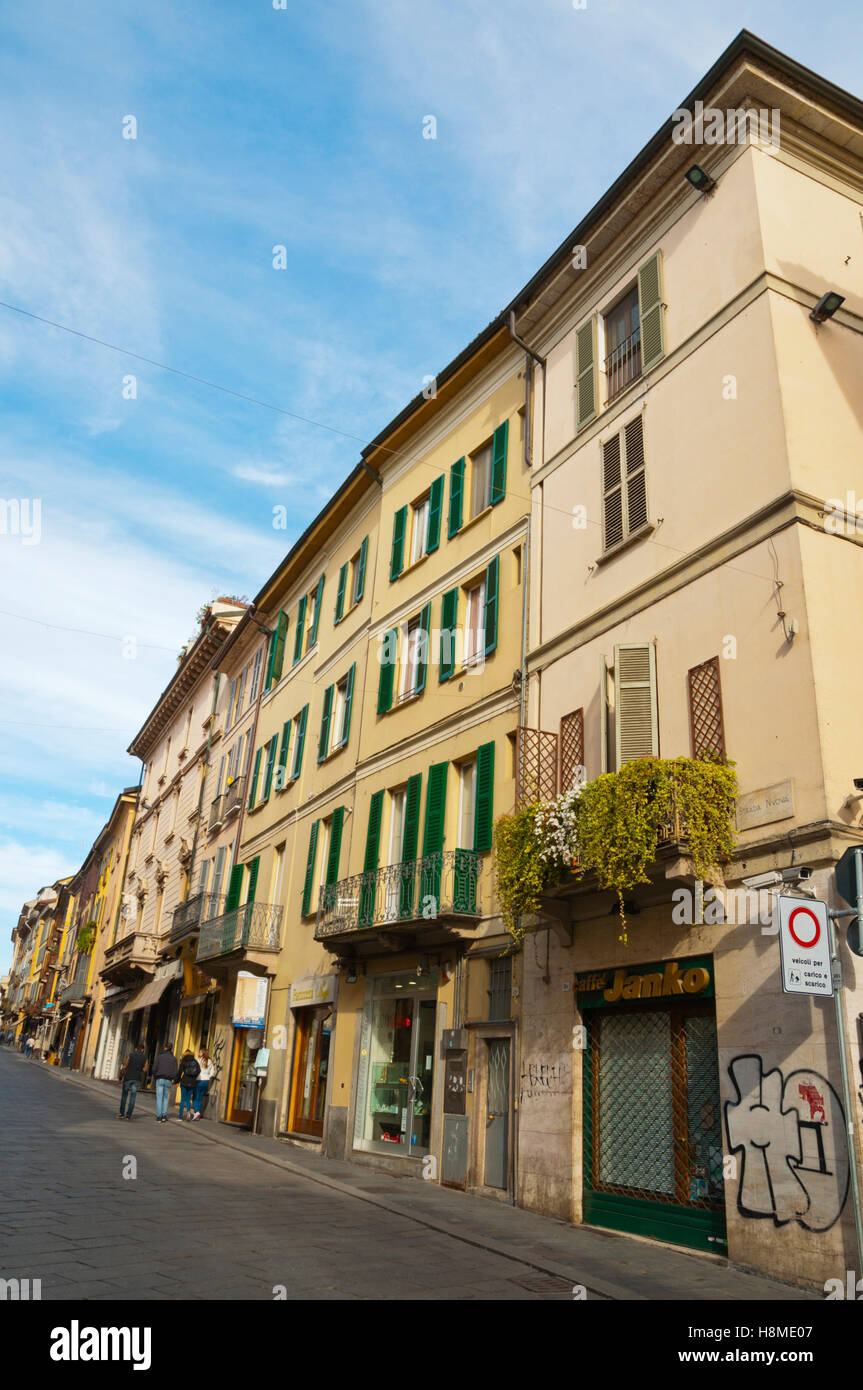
x=73, y=994
x=132, y=959
x=223, y=806
x=429, y=899
x=247, y=938
x=191, y=913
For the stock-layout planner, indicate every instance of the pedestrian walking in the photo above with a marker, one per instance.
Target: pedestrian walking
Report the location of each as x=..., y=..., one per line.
x=131, y=1075
x=187, y=1079
x=164, y=1071
x=208, y=1071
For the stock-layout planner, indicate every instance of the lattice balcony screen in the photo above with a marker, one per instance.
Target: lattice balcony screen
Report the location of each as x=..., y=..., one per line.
x=705, y=710
x=536, y=755
x=571, y=748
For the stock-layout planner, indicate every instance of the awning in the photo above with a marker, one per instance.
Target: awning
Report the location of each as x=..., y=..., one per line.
x=150, y=993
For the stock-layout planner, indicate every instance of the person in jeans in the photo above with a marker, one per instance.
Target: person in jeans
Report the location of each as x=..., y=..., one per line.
x=131, y=1075
x=164, y=1071
x=187, y=1080
x=208, y=1071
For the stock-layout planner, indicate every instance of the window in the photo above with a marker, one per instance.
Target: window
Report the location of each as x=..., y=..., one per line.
x=299, y=741
x=278, y=873
x=474, y=633
x=322, y=862
x=256, y=675
x=466, y=804
x=499, y=988
x=411, y=638
x=358, y=573
x=624, y=483
x=419, y=528
x=238, y=704
x=480, y=490
x=622, y=344
x=276, y=651
x=218, y=871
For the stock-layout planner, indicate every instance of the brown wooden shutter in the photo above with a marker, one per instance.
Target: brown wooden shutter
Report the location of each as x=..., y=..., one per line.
x=571, y=748
x=705, y=710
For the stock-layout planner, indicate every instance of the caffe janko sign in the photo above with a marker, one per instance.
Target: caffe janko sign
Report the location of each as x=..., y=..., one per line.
x=666, y=980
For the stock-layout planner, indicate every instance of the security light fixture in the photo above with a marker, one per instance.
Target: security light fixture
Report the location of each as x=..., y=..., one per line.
x=827, y=306
x=700, y=181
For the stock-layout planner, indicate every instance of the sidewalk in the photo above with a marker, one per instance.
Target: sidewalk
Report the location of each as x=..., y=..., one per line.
x=608, y=1265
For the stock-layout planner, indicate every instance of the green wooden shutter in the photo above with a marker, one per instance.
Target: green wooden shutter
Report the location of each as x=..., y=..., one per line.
x=271, y=762
x=361, y=571
x=324, y=740
x=636, y=724
x=310, y=869
x=283, y=751
x=491, y=605
x=484, y=816
x=340, y=593
x=370, y=863
x=319, y=603
x=335, y=845
x=302, y=720
x=253, y=879
x=301, y=623
x=423, y=647
x=651, y=312
x=448, y=620
x=456, y=495
x=234, y=886
x=435, y=509
x=433, y=836
x=279, y=649
x=349, y=700
x=410, y=838
x=253, y=789
x=388, y=671
x=585, y=373
x=398, y=552
x=498, y=463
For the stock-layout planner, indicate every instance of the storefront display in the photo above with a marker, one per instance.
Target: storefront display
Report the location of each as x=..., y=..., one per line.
x=652, y=1125
x=397, y=1059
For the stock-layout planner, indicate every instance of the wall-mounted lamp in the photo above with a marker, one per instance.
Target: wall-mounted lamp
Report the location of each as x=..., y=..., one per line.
x=827, y=306
x=700, y=181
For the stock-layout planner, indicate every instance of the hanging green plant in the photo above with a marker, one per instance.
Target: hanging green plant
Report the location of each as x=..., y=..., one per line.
x=86, y=937
x=521, y=873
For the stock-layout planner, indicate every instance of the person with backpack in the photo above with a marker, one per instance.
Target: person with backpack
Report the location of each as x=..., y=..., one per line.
x=164, y=1071
x=131, y=1075
x=187, y=1079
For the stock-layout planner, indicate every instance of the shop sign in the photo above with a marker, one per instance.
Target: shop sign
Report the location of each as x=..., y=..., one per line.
x=687, y=979
x=250, y=1001
x=317, y=989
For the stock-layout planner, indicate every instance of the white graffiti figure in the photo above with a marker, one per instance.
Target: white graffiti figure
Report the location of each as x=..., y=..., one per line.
x=794, y=1164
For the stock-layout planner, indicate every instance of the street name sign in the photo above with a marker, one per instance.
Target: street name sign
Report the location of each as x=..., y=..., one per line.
x=804, y=944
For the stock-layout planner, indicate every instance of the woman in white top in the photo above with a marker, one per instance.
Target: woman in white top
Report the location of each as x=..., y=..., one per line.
x=208, y=1071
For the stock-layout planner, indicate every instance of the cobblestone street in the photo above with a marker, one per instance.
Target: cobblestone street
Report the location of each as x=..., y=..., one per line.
x=238, y=1217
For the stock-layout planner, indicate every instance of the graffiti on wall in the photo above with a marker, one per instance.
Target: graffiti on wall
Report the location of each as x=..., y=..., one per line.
x=790, y=1132
x=540, y=1079
x=218, y=1057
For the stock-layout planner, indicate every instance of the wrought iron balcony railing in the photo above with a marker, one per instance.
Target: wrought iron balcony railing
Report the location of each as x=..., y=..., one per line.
x=74, y=992
x=623, y=364
x=251, y=927
x=437, y=885
x=189, y=914
x=230, y=800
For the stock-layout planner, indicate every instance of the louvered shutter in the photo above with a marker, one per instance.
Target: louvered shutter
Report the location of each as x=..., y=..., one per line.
x=340, y=593
x=651, y=312
x=435, y=509
x=484, y=816
x=361, y=570
x=278, y=657
x=301, y=623
x=448, y=621
x=585, y=373
x=370, y=862
x=271, y=762
x=232, y=690
x=498, y=463
x=397, y=556
x=324, y=739
x=636, y=480
x=283, y=751
x=433, y=830
x=491, y=605
x=636, y=724
x=410, y=834
x=335, y=845
x=388, y=670
x=612, y=493
x=310, y=869
x=319, y=603
x=253, y=879
x=456, y=497
x=235, y=885
x=302, y=720
x=349, y=700
x=422, y=640
x=253, y=789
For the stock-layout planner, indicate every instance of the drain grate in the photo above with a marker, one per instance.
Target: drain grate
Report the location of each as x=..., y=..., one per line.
x=543, y=1283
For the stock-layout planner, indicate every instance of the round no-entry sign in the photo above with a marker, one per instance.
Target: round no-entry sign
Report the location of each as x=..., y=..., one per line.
x=805, y=932
x=804, y=942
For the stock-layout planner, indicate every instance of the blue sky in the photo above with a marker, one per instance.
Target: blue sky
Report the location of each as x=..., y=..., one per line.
x=259, y=127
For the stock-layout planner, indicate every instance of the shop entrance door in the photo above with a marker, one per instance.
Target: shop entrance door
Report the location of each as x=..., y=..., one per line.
x=311, y=1067
x=496, y=1172
x=400, y=1039
x=241, y=1097
x=652, y=1135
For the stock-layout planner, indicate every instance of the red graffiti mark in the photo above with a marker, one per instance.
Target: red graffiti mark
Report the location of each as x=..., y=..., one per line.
x=815, y=1099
